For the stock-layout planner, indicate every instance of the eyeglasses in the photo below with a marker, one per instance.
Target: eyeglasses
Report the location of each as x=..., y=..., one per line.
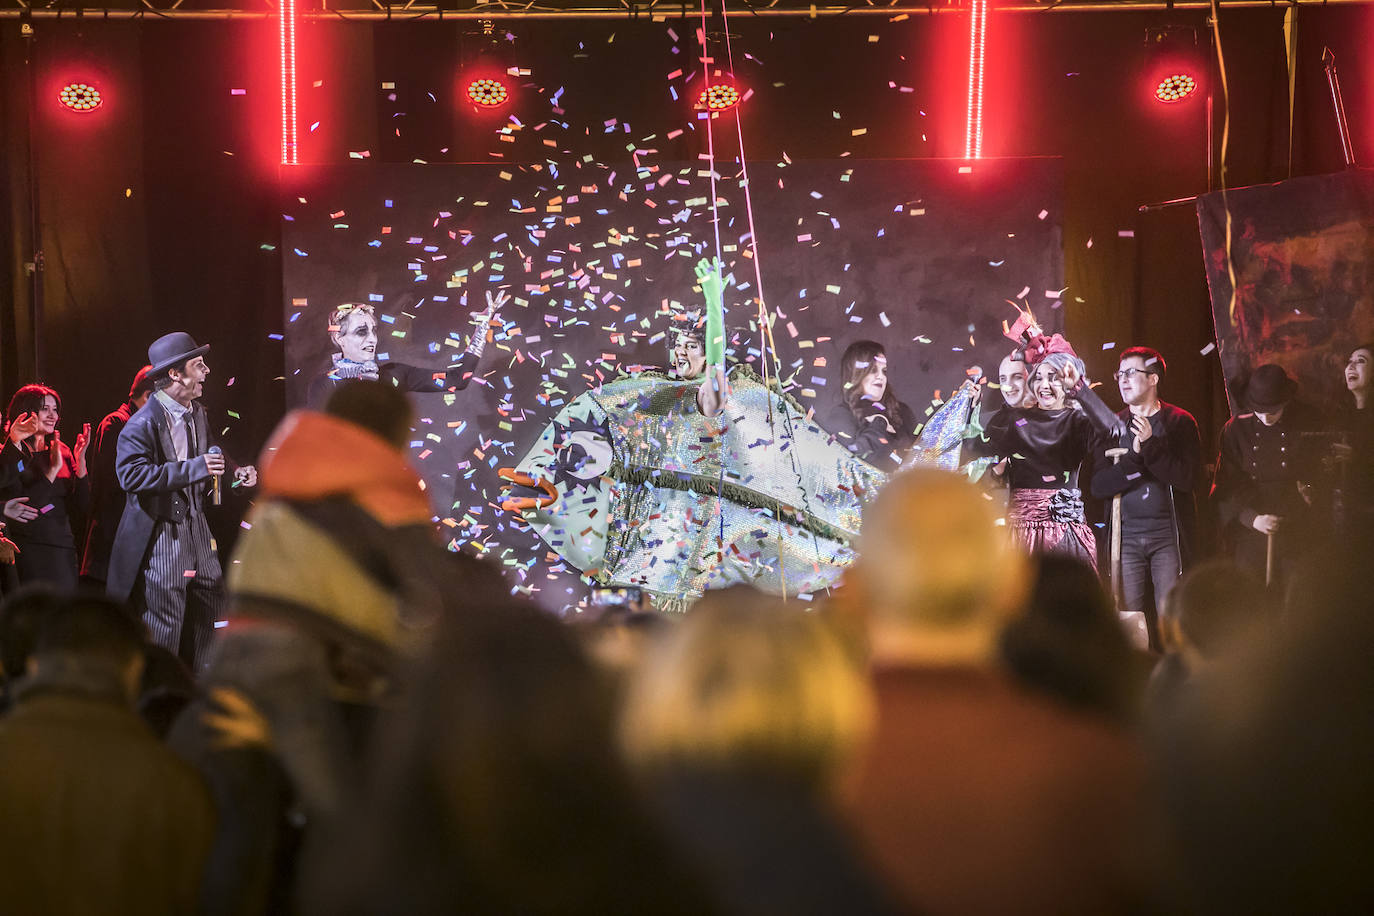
x=1127, y=374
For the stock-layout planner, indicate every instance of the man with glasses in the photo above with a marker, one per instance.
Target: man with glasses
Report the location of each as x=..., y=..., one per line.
x=1155, y=479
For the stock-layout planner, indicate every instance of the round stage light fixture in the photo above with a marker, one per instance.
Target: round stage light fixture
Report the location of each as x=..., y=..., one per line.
x=718, y=97
x=80, y=97
x=487, y=92
x=1175, y=88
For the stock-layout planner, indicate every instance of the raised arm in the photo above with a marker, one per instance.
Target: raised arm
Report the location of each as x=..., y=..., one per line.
x=715, y=390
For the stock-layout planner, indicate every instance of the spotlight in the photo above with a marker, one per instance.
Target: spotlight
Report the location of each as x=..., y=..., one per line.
x=487, y=92
x=718, y=97
x=80, y=97
x=1174, y=64
x=1175, y=87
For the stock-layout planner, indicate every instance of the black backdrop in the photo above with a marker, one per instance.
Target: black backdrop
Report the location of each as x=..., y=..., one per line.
x=922, y=256
x=164, y=211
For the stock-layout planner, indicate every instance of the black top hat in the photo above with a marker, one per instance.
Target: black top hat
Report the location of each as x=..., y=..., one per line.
x=172, y=350
x=1269, y=388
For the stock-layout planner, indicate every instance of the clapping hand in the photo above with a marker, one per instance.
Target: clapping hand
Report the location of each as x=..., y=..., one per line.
x=20, y=510
x=83, y=442
x=22, y=427
x=54, y=457
x=1142, y=429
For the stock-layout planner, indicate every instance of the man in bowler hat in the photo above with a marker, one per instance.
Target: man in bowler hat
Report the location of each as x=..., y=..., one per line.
x=1262, y=486
x=163, y=561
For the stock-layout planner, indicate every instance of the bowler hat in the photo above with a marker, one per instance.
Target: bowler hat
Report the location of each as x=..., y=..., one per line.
x=172, y=350
x=1269, y=388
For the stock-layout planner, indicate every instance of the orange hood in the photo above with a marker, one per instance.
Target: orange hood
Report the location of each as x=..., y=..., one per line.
x=313, y=456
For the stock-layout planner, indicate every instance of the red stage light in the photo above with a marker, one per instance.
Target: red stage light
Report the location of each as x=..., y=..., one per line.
x=80, y=97
x=718, y=97
x=487, y=92
x=287, y=35
x=1175, y=87
x=977, y=46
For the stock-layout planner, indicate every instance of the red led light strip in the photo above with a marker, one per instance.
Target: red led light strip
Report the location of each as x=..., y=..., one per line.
x=287, y=21
x=977, y=33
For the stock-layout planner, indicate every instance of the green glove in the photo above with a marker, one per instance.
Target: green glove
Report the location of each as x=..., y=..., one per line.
x=713, y=290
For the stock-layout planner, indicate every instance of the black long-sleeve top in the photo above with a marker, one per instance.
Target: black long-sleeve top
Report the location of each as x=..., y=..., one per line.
x=1046, y=447
x=61, y=502
x=404, y=377
x=1157, y=483
x=869, y=437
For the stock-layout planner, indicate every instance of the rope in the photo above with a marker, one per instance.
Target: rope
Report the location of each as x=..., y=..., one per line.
x=767, y=344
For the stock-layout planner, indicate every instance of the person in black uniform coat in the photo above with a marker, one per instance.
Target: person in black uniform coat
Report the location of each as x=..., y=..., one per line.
x=868, y=419
x=353, y=329
x=106, y=496
x=1264, y=471
x=49, y=491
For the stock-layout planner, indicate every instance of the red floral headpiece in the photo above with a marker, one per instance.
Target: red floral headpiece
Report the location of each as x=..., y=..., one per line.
x=1034, y=344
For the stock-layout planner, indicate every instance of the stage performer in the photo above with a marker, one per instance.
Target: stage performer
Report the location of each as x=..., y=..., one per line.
x=1047, y=443
x=164, y=560
x=353, y=329
x=49, y=493
x=1263, y=472
x=868, y=419
x=696, y=342
x=1012, y=380
x=106, y=496
x=1354, y=450
x=1155, y=479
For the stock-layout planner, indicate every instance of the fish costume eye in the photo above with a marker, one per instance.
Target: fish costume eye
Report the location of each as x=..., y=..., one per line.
x=582, y=453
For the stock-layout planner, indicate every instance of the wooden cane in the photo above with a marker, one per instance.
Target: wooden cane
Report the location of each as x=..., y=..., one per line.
x=1115, y=454
x=1269, y=559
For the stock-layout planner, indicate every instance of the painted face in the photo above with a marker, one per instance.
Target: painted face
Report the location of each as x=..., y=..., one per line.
x=1048, y=387
x=874, y=384
x=1011, y=379
x=48, y=415
x=1271, y=417
x=356, y=337
x=1136, y=385
x=1357, y=371
x=689, y=356
x=193, y=379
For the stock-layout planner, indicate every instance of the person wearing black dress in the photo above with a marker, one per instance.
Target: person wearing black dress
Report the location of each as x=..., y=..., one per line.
x=1354, y=449
x=50, y=492
x=1046, y=444
x=868, y=419
x=353, y=329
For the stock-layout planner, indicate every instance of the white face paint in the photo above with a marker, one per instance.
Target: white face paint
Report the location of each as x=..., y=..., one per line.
x=356, y=337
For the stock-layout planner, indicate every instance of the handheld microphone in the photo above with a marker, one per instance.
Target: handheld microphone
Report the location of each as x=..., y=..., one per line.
x=215, y=496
